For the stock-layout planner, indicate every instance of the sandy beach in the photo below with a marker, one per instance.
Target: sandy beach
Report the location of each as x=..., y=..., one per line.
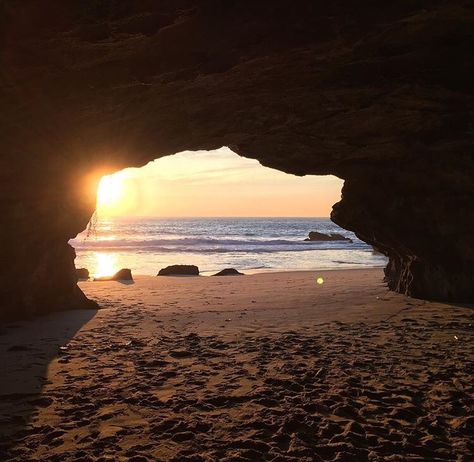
x=264, y=367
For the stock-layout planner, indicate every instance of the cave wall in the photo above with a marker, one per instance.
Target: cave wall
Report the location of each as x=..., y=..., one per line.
x=381, y=97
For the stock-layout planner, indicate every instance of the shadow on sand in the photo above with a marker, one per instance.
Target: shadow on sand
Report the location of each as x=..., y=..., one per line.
x=26, y=350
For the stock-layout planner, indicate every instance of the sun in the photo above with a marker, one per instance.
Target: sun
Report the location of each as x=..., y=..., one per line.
x=110, y=194
x=118, y=194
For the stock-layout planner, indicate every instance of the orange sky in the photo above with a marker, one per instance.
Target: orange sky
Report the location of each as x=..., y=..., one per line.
x=214, y=183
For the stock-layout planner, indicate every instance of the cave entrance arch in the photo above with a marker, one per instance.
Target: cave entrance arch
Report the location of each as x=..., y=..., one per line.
x=164, y=213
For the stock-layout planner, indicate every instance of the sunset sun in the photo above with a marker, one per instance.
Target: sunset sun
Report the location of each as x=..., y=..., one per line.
x=110, y=194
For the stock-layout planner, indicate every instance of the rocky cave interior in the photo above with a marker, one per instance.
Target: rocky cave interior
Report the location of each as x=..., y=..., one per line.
x=380, y=97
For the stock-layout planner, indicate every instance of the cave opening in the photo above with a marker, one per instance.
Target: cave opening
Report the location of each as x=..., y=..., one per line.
x=301, y=365
x=216, y=209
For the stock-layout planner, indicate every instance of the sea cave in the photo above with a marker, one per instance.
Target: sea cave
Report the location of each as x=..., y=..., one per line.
x=308, y=366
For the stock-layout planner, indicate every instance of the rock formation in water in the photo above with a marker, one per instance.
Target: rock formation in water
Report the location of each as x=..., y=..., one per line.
x=229, y=272
x=317, y=236
x=381, y=97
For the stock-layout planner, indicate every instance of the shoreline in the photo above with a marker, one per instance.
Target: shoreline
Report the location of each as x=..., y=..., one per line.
x=255, y=271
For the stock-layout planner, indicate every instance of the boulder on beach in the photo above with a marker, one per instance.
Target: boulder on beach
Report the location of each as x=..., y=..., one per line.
x=124, y=274
x=317, y=236
x=82, y=273
x=229, y=272
x=179, y=270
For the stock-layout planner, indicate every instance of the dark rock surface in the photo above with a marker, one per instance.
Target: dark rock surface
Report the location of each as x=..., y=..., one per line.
x=229, y=272
x=179, y=270
x=381, y=97
x=316, y=236
x=124, y=274
x=82, y=273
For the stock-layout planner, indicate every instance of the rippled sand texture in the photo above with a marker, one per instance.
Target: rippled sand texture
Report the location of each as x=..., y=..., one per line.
x=142, y=382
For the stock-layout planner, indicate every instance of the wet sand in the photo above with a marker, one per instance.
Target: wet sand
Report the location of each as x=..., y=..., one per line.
x=267, y=367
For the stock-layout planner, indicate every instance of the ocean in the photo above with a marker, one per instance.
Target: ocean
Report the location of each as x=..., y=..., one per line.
x=248, y=244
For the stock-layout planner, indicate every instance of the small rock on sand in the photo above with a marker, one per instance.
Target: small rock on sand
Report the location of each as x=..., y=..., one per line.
x=229, y=272
x=124, y=274
x=82, y=273
x=179, y=270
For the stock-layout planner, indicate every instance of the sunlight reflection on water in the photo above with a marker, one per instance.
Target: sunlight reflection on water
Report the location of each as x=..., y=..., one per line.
x=105, y=264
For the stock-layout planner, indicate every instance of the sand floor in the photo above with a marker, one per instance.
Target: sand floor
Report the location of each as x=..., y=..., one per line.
x=267, y=367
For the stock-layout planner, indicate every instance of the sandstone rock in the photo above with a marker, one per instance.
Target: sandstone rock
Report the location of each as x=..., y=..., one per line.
x=179, y=270
x=229, y=272
x=380, y=97
x=376, y=251
x=316, y=236
x=82, y=273
x=124, y=274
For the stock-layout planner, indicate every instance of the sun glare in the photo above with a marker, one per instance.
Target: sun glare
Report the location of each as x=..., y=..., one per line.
x=109, y=191
x=110, y=194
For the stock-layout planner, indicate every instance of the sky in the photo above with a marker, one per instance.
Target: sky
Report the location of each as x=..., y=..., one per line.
x=214, y=184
